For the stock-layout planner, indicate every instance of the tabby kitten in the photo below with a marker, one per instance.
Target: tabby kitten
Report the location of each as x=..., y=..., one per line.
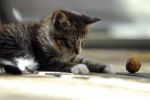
x=53, y=44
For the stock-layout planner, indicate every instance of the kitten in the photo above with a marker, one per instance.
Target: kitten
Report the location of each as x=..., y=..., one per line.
x=53, y=44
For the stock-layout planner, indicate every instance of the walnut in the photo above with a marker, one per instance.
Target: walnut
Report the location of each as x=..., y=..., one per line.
x=133, y=65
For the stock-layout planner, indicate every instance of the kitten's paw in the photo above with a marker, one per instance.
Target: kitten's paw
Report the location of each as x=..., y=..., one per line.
x=26, y=65
x=109, y=69
x=80, y=69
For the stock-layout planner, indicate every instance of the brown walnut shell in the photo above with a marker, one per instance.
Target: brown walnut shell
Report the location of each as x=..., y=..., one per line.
x=133, y=65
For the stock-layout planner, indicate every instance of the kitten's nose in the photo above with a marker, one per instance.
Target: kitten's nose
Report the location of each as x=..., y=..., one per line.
x=77, y=51
x=77, y=47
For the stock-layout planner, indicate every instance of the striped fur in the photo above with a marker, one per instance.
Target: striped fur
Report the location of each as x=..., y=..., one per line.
x=52, y=44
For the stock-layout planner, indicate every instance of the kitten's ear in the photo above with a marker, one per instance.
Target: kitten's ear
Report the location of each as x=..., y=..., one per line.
x=89, y=20
x=59, y=20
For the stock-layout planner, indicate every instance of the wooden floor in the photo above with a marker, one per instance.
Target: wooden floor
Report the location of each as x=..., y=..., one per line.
x=66, y=86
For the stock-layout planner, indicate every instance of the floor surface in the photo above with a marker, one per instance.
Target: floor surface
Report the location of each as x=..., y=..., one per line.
x=67, y=86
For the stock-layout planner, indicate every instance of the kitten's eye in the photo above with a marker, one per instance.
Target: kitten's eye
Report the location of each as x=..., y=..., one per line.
x=66, y=26
x=83, y=42
x=62, y=42
x=71, y=42
x=65, y=42
x=83, y=32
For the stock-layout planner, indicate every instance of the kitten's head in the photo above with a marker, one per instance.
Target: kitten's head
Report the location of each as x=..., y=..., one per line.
x=68, y=29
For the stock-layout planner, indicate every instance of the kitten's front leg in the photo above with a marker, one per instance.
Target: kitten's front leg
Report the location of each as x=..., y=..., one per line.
x=19, y=65
x=76, y=68
x=94, y=66
x=65, y=67
x=80, y=69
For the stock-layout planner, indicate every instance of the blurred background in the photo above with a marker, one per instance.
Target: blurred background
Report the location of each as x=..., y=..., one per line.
x=124, y=32
x=125, y=23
